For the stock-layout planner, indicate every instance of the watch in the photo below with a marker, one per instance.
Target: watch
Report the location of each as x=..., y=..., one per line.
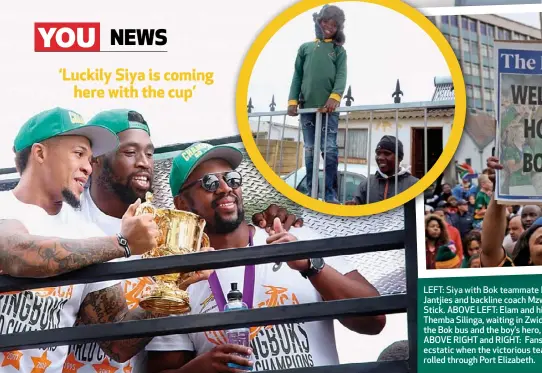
x=315, y=266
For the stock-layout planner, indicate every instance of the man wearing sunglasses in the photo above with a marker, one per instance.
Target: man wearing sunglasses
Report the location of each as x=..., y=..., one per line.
x=118, y=179
x=204, y=181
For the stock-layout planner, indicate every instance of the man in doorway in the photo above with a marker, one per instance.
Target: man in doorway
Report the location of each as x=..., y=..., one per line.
x=382, y=183
x=209, y=185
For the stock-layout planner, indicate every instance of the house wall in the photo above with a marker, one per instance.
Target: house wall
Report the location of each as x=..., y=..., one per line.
x=387, y=127
x=276, y=130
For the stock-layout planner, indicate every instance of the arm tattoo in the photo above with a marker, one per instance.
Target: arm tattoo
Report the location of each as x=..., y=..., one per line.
x=109, y=305
x=26, y=255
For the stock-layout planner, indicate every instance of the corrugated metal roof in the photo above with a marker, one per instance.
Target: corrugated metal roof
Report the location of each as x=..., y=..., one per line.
x=403, y=114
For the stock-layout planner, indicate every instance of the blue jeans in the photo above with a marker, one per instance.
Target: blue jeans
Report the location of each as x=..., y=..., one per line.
x=330, y=147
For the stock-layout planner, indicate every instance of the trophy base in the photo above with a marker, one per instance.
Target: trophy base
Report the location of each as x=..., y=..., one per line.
x=170, y=303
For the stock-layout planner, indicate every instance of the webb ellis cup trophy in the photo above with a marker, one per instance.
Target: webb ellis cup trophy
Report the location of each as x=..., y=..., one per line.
x=180, y=232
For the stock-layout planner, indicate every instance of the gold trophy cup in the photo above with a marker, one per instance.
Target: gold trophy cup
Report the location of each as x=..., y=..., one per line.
x=180, y=232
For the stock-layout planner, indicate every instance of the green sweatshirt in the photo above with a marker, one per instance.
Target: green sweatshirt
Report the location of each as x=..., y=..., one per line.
x=320, y=73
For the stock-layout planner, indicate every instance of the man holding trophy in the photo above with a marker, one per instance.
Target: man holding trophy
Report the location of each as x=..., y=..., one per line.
x=204, y=181
x=53, y=150
x=118, y=179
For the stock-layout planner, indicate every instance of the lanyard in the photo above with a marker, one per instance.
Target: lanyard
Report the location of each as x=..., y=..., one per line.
x=248, y=285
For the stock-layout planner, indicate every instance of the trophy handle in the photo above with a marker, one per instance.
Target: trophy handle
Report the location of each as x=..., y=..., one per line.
x=146, y=208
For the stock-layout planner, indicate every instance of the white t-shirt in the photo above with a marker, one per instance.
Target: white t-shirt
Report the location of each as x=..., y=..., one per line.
x=275, y=347
x=89, y=358
x=48, y=308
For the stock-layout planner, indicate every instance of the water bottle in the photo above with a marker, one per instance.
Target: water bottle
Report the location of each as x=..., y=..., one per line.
x=238, y=336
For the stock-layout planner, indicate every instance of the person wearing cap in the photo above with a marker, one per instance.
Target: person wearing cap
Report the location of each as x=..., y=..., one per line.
x=382, y=182
x=320, y=79
x=204, y=180
x=463, y=219
x=119, y=178
x=53, y=151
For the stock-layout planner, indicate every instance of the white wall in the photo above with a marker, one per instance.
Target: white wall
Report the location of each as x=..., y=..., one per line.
x=276, y=130
x=387, y=127
x=468, y=149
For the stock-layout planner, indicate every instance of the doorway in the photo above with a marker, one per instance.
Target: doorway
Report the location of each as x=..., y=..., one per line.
x=434, y=149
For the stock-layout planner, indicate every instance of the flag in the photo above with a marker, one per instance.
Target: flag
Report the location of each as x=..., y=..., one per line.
x=466, y=172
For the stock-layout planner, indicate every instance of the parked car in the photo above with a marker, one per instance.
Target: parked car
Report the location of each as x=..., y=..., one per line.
x=353, y=176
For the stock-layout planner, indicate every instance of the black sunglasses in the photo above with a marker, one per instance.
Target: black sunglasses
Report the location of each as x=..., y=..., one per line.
x=211, y=182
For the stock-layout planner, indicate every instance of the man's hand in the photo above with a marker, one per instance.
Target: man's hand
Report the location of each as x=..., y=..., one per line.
x=331, y=105
x=140, y=231
x=279, y=235
x=265, y=219
x=493, y=165
x=198, y=276
x=218, y=358
x=353, y=202
x=292, y=110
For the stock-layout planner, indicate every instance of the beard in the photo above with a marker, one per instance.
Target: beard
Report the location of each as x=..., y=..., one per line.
x=223, y=226
x=220, y=225
x=70, y=198
x=124, y=192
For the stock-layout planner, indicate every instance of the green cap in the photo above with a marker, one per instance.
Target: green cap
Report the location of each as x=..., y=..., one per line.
x=63, y=122
x=194, y=155
x=119, y=120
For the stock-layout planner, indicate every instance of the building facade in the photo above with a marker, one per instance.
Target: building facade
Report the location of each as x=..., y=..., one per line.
x=472, y=39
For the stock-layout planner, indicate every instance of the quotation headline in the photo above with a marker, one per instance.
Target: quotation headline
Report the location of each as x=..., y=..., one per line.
x=123, y=83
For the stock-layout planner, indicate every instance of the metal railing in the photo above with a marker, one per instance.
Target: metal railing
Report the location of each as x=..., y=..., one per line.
x=254, y=317
x=424, y=106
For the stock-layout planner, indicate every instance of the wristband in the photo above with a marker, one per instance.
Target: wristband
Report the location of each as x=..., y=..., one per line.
x=124, y=244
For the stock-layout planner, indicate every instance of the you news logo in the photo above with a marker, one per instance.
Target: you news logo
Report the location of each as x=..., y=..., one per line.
x=85, y=37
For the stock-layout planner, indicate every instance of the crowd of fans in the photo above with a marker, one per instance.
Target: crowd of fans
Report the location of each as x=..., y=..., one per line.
x=454, y=218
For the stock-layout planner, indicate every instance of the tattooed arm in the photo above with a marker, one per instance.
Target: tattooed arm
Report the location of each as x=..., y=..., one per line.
x=109, y=305
x=26, y=255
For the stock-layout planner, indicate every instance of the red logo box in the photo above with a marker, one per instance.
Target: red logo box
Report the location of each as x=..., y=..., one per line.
x=66, y=37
